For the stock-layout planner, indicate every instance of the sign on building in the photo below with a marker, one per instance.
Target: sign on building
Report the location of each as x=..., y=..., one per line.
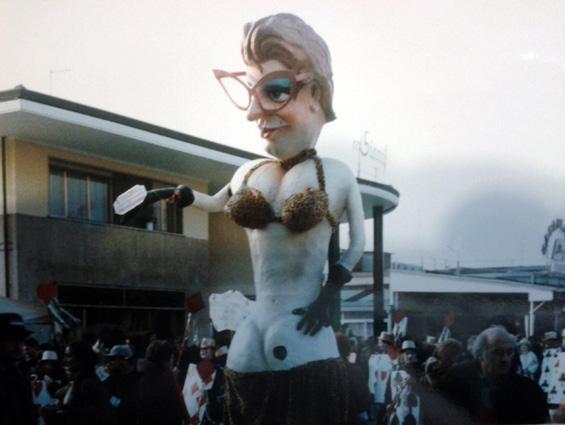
x=554, y=246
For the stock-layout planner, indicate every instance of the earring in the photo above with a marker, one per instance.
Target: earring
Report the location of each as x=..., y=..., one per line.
x=313, y=108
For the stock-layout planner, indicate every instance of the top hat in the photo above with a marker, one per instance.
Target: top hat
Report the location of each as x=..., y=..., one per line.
x=549, y=335
x=386, y=337
x=524, y=341
x=12, y=327
x=408, y=345
x=49, y=356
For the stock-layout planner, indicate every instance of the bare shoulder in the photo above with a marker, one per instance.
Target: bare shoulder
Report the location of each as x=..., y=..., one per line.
x=337, y=171
x=239, y=175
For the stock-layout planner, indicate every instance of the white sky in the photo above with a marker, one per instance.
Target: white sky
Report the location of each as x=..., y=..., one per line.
x=468, y=97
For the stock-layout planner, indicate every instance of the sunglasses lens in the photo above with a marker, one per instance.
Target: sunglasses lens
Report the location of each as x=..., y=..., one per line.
x=237, y=92
x=274, y=93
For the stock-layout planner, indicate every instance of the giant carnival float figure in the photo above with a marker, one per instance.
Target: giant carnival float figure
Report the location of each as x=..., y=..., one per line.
x=283, y=365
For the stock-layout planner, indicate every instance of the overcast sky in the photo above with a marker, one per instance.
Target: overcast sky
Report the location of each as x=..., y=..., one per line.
x=467, y=98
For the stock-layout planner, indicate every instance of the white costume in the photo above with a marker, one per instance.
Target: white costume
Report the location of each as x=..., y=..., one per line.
x=380, y=368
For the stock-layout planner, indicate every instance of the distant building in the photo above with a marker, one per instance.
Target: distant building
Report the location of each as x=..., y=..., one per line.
x=526, y=299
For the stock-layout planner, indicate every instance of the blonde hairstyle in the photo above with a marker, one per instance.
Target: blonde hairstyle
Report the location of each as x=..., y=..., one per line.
x=288, y=39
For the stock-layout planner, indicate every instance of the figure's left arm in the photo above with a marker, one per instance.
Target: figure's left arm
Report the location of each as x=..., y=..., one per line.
x=316, y=315
x=356, y=221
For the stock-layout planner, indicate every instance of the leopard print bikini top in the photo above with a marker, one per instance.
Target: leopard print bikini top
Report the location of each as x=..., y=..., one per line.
x=301, y=212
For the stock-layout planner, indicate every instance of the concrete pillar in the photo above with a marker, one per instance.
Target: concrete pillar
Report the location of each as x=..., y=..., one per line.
x=378, y=272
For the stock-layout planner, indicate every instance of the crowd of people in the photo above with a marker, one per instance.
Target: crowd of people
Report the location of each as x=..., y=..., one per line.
x=497, y=378
x=109, y=379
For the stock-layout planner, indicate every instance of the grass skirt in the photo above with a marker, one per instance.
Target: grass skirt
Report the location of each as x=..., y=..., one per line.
x=311, y=394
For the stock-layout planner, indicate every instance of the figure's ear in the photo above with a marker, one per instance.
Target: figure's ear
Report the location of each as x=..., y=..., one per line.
x=316, y=91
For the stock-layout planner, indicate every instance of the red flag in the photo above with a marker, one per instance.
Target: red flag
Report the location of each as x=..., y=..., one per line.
x=194, y=303
x=46, y=292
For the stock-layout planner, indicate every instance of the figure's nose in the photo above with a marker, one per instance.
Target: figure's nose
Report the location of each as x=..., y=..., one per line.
x=254, y=112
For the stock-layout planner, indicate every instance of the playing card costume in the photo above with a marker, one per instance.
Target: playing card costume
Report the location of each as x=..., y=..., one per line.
x=380, y=367
x=552, y=377
x=204, y=386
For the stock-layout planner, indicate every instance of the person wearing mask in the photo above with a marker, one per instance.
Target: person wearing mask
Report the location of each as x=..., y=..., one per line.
x=403, y=398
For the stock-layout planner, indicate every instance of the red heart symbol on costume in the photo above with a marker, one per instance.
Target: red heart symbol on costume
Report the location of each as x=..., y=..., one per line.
x=383, y=375
x=37, y=388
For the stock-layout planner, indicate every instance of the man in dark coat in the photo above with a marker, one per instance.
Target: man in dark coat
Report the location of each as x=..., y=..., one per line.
x=87, y=401
x=489, y=389
x=16, y=404
x=123, y=385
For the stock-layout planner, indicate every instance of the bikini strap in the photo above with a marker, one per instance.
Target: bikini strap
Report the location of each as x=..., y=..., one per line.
x=322, y=183
x=254, y=168
x=320, y=173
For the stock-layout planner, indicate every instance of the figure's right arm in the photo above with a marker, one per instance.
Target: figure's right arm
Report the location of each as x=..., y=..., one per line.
x=371, y=375
x=212, y=203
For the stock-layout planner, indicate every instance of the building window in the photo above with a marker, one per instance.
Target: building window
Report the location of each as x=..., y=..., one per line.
x=159, y=216
x=84, y=193
x=78, y=194
x=166, y=217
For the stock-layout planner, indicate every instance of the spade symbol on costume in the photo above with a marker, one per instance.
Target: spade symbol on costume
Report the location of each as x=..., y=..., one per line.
x=397, y=378
x=412, y=400
x=545, y=384
x=562, y=378
x=553, y=391
x=410, y=420
x=555, y=354
x=394, y=420
x=547, y=354
x=546, y=369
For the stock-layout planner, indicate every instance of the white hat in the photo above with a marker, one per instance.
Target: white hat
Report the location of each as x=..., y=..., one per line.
x=208, y=343
x=431, y=340
x=49, y=355
x=386, y=337
x=524, y=341
x=408, y=345
x=121, y=350
x=549, y=335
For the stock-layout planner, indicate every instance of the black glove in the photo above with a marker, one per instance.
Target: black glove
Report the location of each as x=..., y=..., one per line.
x=181, y=195
x=317, y=314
